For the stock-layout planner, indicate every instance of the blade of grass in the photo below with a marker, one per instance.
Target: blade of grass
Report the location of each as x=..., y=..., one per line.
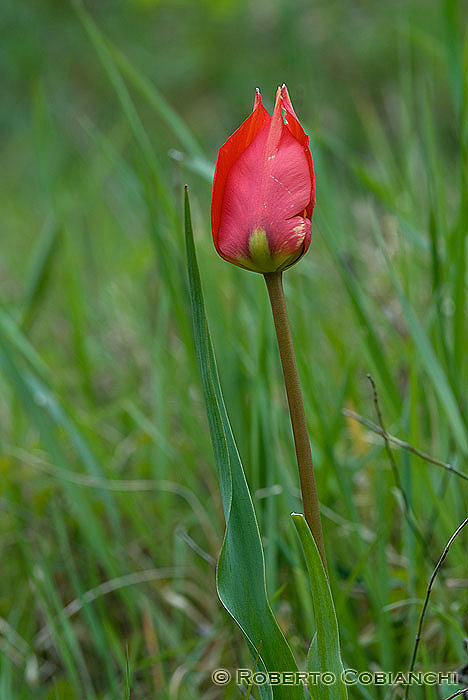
x=42, y=257
x=428, y=357
x=374, y=346
x=102, y=49
x=158, y=102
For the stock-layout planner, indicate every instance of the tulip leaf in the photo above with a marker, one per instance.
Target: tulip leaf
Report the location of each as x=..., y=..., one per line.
x=241, y=567
x=324, y=653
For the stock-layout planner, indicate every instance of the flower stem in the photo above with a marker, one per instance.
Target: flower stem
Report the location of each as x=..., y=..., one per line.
x=274, y=282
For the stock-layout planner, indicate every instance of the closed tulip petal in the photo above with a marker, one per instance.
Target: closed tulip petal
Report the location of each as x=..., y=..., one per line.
x=262, y=217
x=298, y=132
x=228, y=155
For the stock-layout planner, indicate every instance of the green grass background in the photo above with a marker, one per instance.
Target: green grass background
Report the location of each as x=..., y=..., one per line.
x=110, y=514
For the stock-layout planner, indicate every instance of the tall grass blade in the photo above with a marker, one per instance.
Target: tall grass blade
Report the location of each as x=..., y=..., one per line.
x=128, y=107
x=158, y=102
x=38, y=274
x=428, y=358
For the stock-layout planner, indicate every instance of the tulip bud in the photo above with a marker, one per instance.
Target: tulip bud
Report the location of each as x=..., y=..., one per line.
x=264, y=190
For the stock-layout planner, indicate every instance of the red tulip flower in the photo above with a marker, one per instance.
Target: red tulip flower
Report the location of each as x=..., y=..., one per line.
x=261, y=210
x=264, y=190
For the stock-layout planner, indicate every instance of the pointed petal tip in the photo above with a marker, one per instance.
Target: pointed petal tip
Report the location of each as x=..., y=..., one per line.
x=258, y=98
x=286, y=100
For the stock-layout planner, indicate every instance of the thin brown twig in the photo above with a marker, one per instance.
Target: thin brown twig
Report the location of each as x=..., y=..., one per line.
x=428, y=594
x=401, y=443
x=459, y=692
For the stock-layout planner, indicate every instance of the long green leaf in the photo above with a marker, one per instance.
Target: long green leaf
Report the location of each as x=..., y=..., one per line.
x=324, y=652
x=241, y=567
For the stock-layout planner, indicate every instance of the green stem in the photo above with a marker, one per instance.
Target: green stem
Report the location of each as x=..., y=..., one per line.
x=274, y=282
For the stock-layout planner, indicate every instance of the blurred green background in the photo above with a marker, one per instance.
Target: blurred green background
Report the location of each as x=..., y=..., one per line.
x=110, y=516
